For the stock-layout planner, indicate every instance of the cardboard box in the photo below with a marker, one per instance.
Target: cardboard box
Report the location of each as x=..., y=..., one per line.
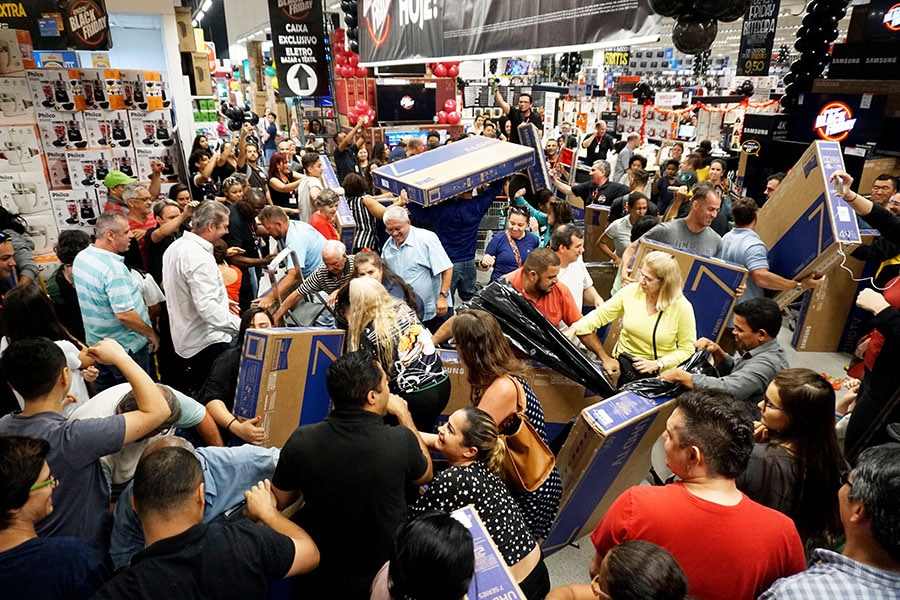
x=443, y=173
x=709, y=285
x=62, y=131
x=282, y=378
x=58, y=169
x=537, y=173
x=346, y=224
x=88, y=168
x=184, y=29
x=596, y=220
x=607, y=452
x=561, y=398
x=196, y=66
x=56, y=89
x=167, y=155
x=41, y=228
x=24, y=193
x=75, y=209
x=20, y=149
x=492, y=579
x=16, y=103
x=804, y=223
x=107, y=128
x=142, y=90
x=874, y=167
x=105, y=87
x=603, y=274
x=151, y=129
x=16, y=51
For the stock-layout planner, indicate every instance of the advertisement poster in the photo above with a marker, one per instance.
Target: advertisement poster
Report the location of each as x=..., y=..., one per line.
x=757, y=37
x=60, y=25
x=298, y=47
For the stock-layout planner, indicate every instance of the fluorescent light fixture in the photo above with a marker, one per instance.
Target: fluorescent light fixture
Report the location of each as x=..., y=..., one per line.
x=206, y=5
x=200, y=16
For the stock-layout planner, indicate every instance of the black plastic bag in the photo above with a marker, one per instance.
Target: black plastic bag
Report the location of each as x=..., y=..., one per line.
x=654, y=387
x=532, y=334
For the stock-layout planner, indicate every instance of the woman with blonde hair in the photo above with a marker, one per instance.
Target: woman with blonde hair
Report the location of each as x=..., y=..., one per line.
x=498, y=381
x=470, y=441
x=394, y=335
x=658, y=325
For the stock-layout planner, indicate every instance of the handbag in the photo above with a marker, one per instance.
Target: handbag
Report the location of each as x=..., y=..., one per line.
x=529, y=460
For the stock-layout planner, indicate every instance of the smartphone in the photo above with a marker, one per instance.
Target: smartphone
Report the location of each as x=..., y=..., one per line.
x=839, y=188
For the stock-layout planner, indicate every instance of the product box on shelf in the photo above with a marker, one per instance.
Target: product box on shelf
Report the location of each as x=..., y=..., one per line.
x=607, y=451
x=447, y=171
x=107, y=128
x=16, y=103
x=142, y=90
x=56, y=89
x=184, y=28
x=151, y=128
x=804, y=224
x=88, y=168
x=167, y=155
x=58, y=169
x=41, y=228
x=62, y=130
x=709, y=284
x=196, y=66
x=20, y=149
x=26, y=193
x=103, y=89
x=16, y=51
x=282, y=378
x=76, y=209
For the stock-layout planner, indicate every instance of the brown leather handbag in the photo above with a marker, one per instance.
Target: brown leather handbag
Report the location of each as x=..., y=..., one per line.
x=529, y=460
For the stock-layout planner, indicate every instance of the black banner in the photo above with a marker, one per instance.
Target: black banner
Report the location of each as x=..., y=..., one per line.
x=298, y=47
x=757, y=38
x=402, y=31
x=60, y=25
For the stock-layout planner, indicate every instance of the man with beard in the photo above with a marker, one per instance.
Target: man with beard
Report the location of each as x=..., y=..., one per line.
x=756, y=326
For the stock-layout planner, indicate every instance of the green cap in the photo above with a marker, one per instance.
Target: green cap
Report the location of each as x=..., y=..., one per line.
x=117, y=178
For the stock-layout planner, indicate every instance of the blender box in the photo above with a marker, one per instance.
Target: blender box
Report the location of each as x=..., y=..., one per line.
x=607, y=451
x=58, y=169
x=61, y=130
x=142, y=90
x=107, y=128
x=447, y=171
x=56, y=89
x=151, y=128
x=75, y=209
x=20, y=149
x=16, y=104
x=167, y=155
x=88, y=168
x=41, y=228
x=16, y=52
x=103, y=89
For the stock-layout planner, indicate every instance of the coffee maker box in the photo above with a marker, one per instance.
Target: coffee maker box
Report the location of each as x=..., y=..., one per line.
x=107, y=128
x=88, y=168
x=16, y=103
x=62, y=130
x=75, y=209
x=105, y=87
x=167, y=155
x=16, y=52
x=151, y=129
x=142, y=90
x=56, y=89
x=20, y=149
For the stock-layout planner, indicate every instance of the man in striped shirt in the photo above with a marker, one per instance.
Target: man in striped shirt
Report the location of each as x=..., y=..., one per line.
x=111, y=302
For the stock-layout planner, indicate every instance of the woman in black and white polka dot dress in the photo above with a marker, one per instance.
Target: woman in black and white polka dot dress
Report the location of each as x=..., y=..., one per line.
x=469, y=441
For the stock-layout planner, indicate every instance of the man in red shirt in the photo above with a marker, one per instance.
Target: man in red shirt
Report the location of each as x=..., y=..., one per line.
x=728, y=545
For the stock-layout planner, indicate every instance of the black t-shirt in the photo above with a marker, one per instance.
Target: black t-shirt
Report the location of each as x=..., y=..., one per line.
x=617, y=208
x=346, y=162
x=594, y=194
x=222, y=381
x=242, y=233
x=155, y=251
x=226, y=560
x=598, y=149
x=352, y=470
x=516, y=117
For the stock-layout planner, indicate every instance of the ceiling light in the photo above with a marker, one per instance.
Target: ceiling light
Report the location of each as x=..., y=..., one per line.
x=200, y=16
x=206, y=5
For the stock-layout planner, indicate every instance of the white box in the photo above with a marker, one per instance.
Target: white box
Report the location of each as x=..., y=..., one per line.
x=151, y=129
x=16, y=104
x=29, y=195
x=62, y=130
x=58, y=169
x=20, y=149
x=42, y=230
x=166, y=155
x=56, y=89
x=75, y=209
x=107, y=128
x=87, y=168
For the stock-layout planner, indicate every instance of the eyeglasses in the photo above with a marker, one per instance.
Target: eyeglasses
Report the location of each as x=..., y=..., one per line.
x=51, y=481
x=845, y=478
x=768, y=405
x=893, y=202
x=648, y=279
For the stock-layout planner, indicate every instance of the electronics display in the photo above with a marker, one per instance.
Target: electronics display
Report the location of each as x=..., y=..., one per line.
x=518, y=67
x=406, y=102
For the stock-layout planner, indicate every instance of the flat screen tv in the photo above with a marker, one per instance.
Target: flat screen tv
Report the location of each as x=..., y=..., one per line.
x=406, y=103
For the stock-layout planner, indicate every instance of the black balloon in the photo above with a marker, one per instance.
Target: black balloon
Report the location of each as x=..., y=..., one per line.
x=746, y=88
x=353, y=34
x=735, y=11
x=669, y=8
x=693, y=34
x=789, y=102
x=346, y=6
x=354, y=45
x=790, y=78
x=711, y=8
x=350, y=20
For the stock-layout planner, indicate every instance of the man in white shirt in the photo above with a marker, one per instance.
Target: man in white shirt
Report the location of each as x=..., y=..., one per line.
x=203, y=320
x=568, y=243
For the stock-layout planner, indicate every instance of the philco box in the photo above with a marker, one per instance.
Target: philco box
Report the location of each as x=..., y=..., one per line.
x=824, y=311
x=447, y=171
x=88, y=168
x=151, y=128
x=62, y=130
x=56, y=89
x=75, y=209
x=709, y=285
x=20, y=149
x=184, y=28
x=16, y=51
x=168, y=156
x=346, y=224
x=607, y=452
x=560, y=397
x=105, y=85
x=804, y=223
x=492, y=579
x=596, y=220
x=538, y=173
x=282, y=378
x=142, y=90
x=16, y=103
x=107, y=128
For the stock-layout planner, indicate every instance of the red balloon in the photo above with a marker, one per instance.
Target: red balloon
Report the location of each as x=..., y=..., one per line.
x=454, y=117
x=371, y=114
x=439, y=70
x=352, y=116
x=338, y=34
x=361, y=71
x=453, y=71
x=442, y=117
x=341, y=70
x=449, y=105
x=362, y=105
x=353, y=59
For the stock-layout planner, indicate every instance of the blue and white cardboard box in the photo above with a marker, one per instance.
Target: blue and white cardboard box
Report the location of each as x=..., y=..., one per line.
x=492, y=580
x=445, y=172
x=709, y=285
x=282, y=378
x=537, y=173
x=804, y=223
x=346, y=224
x=607, y=452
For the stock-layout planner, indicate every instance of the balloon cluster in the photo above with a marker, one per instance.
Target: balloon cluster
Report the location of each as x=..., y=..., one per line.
x=237, y=116
x=643, y=92
x=569, y=64
x=696, y=22
x=818, y=30
x=351, y=18
x=784, y=55
x=745, y=89
x=701, y=64
x=449, y=115
x=493, y=66
x=444, y=69
x=361, y=112
x=346, y=64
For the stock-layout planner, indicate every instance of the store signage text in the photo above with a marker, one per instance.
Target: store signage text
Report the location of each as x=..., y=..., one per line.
x=834, y=122
x=12, y=9
x=378, y=19
x=616, y=59
x=892, y=18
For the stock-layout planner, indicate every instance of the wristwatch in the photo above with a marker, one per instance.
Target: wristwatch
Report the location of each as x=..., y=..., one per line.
x=799, y=286
x=660, y=364
x=445, y=294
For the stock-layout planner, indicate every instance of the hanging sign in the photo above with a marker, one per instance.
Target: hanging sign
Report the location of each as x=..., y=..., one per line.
x=298, y=47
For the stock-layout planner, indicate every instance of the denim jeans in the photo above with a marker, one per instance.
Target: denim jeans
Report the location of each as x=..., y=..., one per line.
x=463, y=281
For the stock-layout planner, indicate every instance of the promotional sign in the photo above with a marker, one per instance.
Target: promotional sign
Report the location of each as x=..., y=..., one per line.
x=402, y=31
x=883, y=20
x=847, y=118
x=298, y=47
x=60, y=24
x=757, y=37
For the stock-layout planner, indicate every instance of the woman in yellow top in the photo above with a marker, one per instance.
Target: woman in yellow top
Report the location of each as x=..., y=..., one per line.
x=658, y=326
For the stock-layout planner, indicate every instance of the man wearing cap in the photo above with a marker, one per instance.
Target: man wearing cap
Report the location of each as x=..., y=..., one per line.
x=398, y=151
x=116, y=181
